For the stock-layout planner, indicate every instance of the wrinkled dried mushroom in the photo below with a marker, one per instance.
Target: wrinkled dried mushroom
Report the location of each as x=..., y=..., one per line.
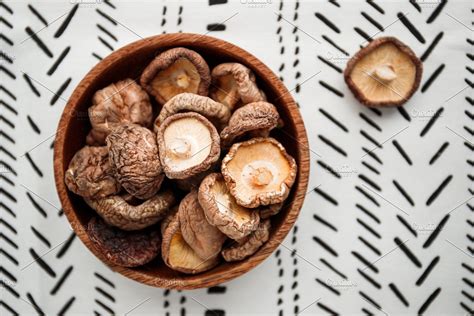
x=270, y=210
x=119, y=212
x=222, y=211
x=384, y=73
x=126, y=249
x=249, y=245
x=257, y=118
x=233, y=83
x=178, y=255
x=259, y=172
x=205, y=239
x=216, y=112
x=188, y=143
x=176, y=71
x=90, y=174
x=133, y=152
x=121, y=102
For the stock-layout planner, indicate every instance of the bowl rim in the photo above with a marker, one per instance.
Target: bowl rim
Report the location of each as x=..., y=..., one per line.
x=300, y=187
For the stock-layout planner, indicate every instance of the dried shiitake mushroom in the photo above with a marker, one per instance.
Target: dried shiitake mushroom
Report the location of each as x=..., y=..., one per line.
x=205, y=239
x=259, y=172
x=121, y=102
x=258, y=118
x=117, y=211
x=189, y=144
x=248, y=245
x=222, y=211
x=233, y=83
x=133, y=152
x=90, y=174
x=270, y=210
x=216, y=112
x=122, y=248
x=384, y=73
x=178, y=255
x=175, y=71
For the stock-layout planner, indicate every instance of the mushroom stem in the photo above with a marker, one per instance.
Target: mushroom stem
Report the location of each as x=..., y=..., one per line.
x=385, y=73
x=182, y=80
x=261, y=176
x=180, y=147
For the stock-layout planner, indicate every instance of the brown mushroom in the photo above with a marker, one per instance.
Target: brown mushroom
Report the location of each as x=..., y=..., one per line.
x=205, y=239
x=270, y=210
x=121, y=248
x=178, y=255
x=118, y=212
x=259, y=172
x=248, y=245
x=175, y=71
x=133, y=152
x=90, y=174
x=189, y=144
x=256, y=117
x=222, y=211
x=233, y=83
x=121, y=102
x=216, y=112
x=384, y=73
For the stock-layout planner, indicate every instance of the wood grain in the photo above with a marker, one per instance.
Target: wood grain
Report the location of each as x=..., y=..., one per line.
x=129, y=62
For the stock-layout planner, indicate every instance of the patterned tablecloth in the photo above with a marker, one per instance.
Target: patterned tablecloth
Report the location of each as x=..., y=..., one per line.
x=387, y=225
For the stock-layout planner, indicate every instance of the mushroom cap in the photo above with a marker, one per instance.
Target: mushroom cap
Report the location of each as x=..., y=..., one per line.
x=126, y=249
x=233, y=83
x=384, y=73
x=90, y=173
x=175, y=71
x=178, y=255
x=222, y=211
x=270, y=210
x=259, y=172
x=248, y=245
x=216, y=112
x=133, y=153
x=120, y=102
x=116, y=211
x=189, y=144
x=256, y=116
x=205, y=239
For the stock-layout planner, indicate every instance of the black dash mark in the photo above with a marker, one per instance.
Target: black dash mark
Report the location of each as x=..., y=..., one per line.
x=42, y=263
x=107, y=2
x=9, y=256
x=58, y=93
x=31, y=85
x=33, y=164
x=367, y=195
x=370, y=121
x=432, y=120
x=329, y=169
x=331, y=88
x=415, y=4
x=66, y=246
x=58, y=61
x=327, y=286
x=9, y=123
x=368, y=228
x=96, y=56
x=411, y=27
x=216, y=27
x=370, y=246
x=334, y=2
x=436, y=11
x=34, y=304
x=3, y=5
x=371, y=168
x=332, y=145
x=9, y=241
x=375, y=6
x=327, y=309
x=6, y=39
x=325, y=246
x=66, y=306
x=428, y=301
x=217, y=290
x=9, y=210
x=366, y=262
x=439, y=152
x=334, y=120
x=403, y=192
x=427, y=271
x=324, y=222
x=328, y=23
x=36, y=205
x=7, y=137
x=8, y=72
x=38, y=15
x=106, y=44
x=404, y=113
x=4, y=56
x=367, y=312
x=331, y=42
x=214, y=2
x=8, y=106
x=10, y=227
x=430, y=48
x=8, y=195
x=330, y=64
x=368, y=213
x=38, y=42
x=402, y=152
x=436, y=232
x=330, y=266
x=104, y=306
x=61, y=281
x=437, y=192
x=363, y=34
x=370, y=279
x=407, y=252
x=326, y=196
x=214, y=312
x=104, y=279
x=370, y=300
x=432, y=78
x=6, y=286
x=106, y=16
x=33, y=125
x=370, y=138
x=105, y=294
x=370, y=182
x=407, y=225
x=41, y=237
x=372, y=21
x=103, y=29
x=398, y=294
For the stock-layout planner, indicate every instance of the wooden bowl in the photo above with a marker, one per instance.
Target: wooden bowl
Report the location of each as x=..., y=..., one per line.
x=128, y=62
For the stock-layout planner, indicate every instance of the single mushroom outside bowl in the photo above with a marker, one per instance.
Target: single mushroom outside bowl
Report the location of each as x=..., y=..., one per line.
x=73, y=129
